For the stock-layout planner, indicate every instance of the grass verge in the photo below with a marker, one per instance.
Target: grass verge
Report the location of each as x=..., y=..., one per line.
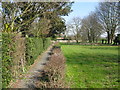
x=91, y=66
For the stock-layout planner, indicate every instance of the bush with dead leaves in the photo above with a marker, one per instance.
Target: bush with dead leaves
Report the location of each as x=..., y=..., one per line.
x=53, y=74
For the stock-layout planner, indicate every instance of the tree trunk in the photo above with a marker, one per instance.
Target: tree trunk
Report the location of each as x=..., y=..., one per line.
x=108, y=37
x=76, y=39
x=112, y=33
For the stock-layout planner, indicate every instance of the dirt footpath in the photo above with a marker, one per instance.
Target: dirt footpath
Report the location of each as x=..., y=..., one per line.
x=29, y=79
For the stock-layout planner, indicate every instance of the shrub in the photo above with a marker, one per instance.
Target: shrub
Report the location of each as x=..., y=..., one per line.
x=53, y=74
x=7, y=59
x=46, y=43
x=34, y=47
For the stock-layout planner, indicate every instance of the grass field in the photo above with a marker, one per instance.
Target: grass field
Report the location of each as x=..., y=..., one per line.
x=91, y=66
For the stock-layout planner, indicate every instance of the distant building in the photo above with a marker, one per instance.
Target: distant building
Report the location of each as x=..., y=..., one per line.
x=59, y=38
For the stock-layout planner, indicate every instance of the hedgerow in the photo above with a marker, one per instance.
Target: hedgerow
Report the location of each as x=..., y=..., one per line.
x=34, y=47
x=46, y=43
x=0, y=60
x=7, y=60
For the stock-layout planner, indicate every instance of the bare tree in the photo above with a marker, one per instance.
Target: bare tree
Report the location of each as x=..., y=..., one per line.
x=0, y=18
x=108, y=16
x=40, y=27
x=91, y=29
x=74, y=28
x=13, y=14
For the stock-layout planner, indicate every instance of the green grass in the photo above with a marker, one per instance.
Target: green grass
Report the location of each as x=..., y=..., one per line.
x=91, y=66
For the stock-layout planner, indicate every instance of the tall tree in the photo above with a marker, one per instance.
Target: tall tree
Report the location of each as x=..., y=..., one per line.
x=19, y=16
x=108, y=16
x=74, y=26
x=14, y=15
x=40, y=28
x=53, y=12
x=56, y=21
x=91, y=29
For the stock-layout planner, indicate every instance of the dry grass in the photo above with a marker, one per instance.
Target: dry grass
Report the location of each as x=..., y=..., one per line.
x=53, y=74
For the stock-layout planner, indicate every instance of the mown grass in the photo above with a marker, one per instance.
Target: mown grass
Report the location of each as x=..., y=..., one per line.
x=91, y=66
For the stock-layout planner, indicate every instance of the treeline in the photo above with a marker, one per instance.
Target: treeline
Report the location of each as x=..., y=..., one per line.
x=105, y=19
